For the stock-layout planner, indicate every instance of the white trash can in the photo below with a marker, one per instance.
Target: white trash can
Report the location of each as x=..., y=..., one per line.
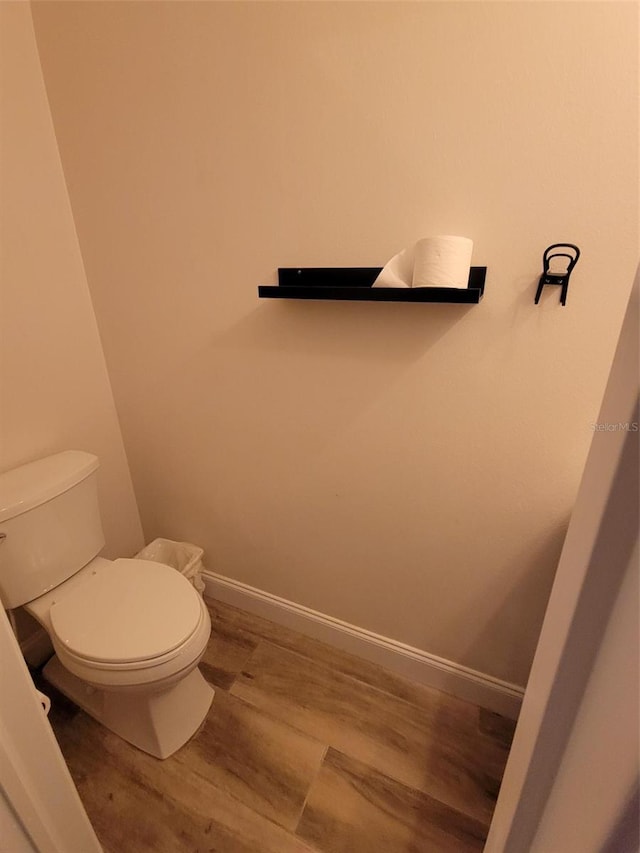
x=182, y=556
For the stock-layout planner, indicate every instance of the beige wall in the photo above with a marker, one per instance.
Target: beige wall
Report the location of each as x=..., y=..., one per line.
x=54, y=389
x=409, y=469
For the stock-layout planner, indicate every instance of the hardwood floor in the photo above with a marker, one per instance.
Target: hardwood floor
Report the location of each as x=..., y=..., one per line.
x=305, y=748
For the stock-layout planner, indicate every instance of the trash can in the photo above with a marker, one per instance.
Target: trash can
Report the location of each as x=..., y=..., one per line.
x=182, y=556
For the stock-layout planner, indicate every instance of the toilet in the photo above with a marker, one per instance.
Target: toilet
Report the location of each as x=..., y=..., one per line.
x=128, y=634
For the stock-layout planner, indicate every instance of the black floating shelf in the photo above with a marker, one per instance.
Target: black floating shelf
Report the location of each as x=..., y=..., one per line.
x=355, y=283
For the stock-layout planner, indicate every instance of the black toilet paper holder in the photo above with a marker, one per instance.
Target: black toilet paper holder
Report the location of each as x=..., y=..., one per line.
x=560, y=277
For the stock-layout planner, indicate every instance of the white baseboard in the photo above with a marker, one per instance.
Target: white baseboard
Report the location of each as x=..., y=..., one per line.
x=412, y=663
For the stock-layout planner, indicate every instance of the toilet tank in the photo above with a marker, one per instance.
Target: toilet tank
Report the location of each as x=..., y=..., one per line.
x=49, y=524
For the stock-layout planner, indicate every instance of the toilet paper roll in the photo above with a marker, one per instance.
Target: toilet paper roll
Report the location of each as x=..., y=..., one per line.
x=442, y=262
x=398, y=271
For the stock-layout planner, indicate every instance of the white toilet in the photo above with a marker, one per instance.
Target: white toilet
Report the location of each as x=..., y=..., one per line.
x=128, y=634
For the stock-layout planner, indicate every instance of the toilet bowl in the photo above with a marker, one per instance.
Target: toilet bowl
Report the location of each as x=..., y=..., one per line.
x=128, y=634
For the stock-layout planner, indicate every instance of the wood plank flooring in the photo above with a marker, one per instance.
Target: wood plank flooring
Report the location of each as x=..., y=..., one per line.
x=306, y=749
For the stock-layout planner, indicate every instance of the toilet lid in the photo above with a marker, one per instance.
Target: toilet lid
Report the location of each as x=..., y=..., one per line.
x=128, y=610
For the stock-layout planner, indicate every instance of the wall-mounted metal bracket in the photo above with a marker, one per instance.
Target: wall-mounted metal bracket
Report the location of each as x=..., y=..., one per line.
x=557, y=275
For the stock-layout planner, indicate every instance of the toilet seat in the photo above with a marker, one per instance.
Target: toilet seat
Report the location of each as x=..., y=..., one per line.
x=127, y=611
x=129, y=623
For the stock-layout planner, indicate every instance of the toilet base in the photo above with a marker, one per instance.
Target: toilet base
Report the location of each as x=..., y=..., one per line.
x=158, y=723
